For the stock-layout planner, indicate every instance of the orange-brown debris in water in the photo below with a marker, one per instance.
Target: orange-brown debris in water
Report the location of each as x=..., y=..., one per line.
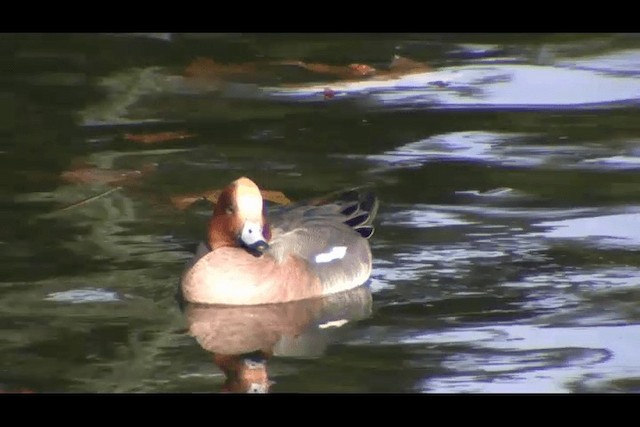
x=183, y=201
x=208, y=69
x=344, y=72
x=153, y=138
x=211, y=71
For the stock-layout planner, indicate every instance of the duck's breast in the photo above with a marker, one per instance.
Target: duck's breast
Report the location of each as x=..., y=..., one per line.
x=235, y=277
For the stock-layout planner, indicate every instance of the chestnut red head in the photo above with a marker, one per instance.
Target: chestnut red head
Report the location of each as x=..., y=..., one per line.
x=238, y=219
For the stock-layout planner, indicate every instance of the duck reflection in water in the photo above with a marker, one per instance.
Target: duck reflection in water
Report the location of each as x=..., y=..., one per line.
x=243, y=338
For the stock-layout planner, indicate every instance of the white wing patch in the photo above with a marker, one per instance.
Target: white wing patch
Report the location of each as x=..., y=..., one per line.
x=336, y=252
x=333, y=324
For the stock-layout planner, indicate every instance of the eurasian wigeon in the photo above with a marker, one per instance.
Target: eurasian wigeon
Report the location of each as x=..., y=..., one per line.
x=304, y=250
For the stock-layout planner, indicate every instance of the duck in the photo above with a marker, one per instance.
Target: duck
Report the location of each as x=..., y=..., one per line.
x=254, y=254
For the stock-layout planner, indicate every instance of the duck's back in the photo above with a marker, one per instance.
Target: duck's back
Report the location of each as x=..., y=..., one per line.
x=355, y=207
x=331, y=234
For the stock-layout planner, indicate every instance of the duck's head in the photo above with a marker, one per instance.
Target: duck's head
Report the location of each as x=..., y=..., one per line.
x=239, y=219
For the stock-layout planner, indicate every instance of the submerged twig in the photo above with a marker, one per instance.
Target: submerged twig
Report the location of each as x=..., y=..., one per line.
x=84, y=201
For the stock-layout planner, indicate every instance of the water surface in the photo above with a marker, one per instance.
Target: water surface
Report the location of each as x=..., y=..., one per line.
x=506, y=245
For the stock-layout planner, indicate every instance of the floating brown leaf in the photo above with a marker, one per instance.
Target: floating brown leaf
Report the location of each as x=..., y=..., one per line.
x=362, y=70
x=153, y=138
x=183, y=201
x=208, y=69
x=275, y=197
x=344, y=72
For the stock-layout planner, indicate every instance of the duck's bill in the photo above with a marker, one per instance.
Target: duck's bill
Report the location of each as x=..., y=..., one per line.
x=253, y=238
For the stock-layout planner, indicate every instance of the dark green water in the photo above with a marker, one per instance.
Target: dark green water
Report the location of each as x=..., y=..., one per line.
x=507, y=247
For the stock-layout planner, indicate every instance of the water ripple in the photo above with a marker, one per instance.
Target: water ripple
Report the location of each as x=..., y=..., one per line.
x=525, y=358
x=606, y=230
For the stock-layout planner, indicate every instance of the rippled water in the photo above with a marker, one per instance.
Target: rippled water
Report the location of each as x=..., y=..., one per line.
x=506, y=245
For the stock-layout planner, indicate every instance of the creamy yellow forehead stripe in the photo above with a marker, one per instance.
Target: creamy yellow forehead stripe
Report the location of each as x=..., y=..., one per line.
x=248, y=197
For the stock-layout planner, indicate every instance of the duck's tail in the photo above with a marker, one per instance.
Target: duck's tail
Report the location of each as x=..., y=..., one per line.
x=358, y=205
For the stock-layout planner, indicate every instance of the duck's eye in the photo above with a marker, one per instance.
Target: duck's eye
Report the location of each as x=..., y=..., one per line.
x=229, y=210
